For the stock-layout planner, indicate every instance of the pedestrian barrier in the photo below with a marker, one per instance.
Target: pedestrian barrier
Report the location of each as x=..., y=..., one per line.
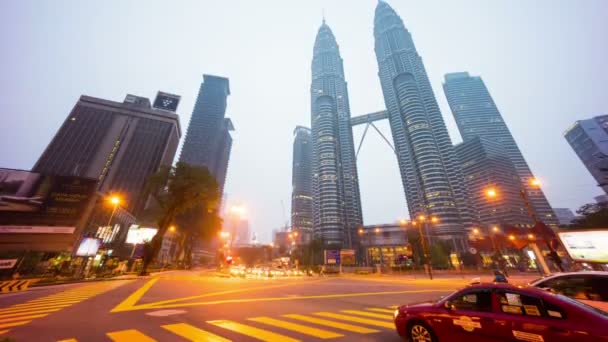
x=16, y=285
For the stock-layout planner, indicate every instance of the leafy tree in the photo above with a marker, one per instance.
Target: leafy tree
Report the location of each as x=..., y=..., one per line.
x=176, y=190
x=592, y=215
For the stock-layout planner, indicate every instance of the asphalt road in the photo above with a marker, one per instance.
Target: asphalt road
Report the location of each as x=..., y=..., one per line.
x=192, y=306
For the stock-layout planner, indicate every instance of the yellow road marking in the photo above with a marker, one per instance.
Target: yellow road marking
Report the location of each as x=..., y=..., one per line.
x=50, y=300
x=271, y=299
x=28, y=313
x=357, y=319
x=129, y=336
x=4, y=332
x=134, y=297
x=302, y=329
x=27, y=305
x=69, y=340
x=260, y=334
x=7, y=311
x=192, y=333
x=20, y=318
x=333, y=324
x=14, y=324
x=393, y=306
x=368, y=314
x=380, y=310
x=130, y=303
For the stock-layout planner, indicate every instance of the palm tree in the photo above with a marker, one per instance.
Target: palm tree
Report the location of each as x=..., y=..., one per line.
x=175, y=190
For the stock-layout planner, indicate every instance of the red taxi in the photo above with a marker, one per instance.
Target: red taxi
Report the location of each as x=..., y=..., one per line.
x=502, y=312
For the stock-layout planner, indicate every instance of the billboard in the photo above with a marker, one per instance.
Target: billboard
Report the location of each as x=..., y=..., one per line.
x=88, y=247
x=137, y=234
x=347, y=257
x=35, y=202
x=586, y=245
x=332, y=257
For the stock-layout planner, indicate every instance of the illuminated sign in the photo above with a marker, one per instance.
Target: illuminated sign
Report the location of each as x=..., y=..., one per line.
x=165, y=101
x=88, y=247
x=137, y=234
x=586, y=245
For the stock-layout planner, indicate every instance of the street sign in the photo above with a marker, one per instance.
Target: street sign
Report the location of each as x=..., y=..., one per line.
x=473, y=250
x=7, y=263
x=332, y=257
x=347, y=257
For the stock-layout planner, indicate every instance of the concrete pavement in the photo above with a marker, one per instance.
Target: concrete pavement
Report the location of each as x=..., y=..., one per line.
x=192, y=306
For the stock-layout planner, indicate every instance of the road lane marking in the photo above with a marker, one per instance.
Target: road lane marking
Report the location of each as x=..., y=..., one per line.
x=356, y=319
x=302, y=329
x=393, y=307
x=260, y=334
x=14, y=324
x=368, y=314
x=380, y=310
x=129, y=336
x=192, y=333
x=20, y=318
x=4, y=332
x=9, y=311
x=333, y=324
x=130, y=303
x=69, y=340
x=28, y=305
x=134, y=297
x=272, y=299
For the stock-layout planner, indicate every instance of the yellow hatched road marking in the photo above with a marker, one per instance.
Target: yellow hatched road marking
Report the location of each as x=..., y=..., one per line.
x=14, y=324
x=260, y=334
x=129, y=336
x=333, y=324
x=134, y=297
x=302, y=329
x=380, y=310
x=69, y=340
x=28, y=313
x=192, y=333
x=4, y=332
x=393, y=306
x=20, y=318
x=50, y=300
x=27, y=305
x=7, y=311
x=368, y=314
x=356, y=319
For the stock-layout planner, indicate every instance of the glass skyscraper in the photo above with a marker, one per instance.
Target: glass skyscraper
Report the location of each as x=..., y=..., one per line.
x=425, y=153
x=336, y=199
x=301, y=180
x=476, y=115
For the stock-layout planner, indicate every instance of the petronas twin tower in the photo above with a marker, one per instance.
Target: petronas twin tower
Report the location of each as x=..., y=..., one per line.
x=425, y=153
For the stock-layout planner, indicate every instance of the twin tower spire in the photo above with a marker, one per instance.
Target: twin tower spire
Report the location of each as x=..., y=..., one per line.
x=425, y=153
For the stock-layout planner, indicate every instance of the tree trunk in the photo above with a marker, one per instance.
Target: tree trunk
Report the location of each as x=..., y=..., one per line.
x=151, y=249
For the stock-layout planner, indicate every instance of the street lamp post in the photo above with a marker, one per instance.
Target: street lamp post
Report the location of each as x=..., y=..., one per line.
x=425, y=252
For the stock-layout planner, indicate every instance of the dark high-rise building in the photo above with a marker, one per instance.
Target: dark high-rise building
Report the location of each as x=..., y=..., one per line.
x=336, y=199
x=425, y=153
x=476, y=115
x=208, y=142
x=588, y=140
x=120, y=144
x=486, y=166
x=301, y=181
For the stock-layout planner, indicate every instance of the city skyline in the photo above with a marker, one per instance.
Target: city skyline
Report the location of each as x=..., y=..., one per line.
x=39, y=98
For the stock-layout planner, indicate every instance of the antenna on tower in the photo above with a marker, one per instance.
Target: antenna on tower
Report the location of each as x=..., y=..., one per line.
x=284, y=217
x=323, y=13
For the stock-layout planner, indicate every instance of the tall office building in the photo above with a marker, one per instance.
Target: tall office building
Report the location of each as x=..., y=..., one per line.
x=476, y=115
x=208, y=142
x=121, y=144
x=589, y=140
x=301, y=181
x=430, y=176
x=486, y=166
x=336, y=198
x=565, y=216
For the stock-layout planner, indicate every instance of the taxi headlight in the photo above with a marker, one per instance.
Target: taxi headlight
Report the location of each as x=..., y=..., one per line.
x=396, y=313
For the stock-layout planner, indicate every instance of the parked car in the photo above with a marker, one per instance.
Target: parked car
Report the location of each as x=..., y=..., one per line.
x=589, y=287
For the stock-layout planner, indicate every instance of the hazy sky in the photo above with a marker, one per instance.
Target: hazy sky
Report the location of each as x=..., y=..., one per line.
x=544, y=62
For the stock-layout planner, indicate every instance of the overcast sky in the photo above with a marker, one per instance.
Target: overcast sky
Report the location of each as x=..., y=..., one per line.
x=544, y=62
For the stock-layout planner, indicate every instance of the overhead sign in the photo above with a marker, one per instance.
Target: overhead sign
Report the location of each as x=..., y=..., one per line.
x=332, y=257
x=137, y=234
x=586, y=245
x=7, y=263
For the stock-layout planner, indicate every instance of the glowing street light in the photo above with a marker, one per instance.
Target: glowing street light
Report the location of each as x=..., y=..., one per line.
x=491, y=192
x=224, y=235
x=434, y=219
x=421, y=218
x=511, y=237
x=475, y=231
x=377, y=230
x=531, y=236
x=360, y=231
x=172, y=229
x=535, y=182
x=495, y=229
x=403, y=222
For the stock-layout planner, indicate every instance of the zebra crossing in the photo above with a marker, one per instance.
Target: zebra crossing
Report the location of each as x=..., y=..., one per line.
x=283, y=328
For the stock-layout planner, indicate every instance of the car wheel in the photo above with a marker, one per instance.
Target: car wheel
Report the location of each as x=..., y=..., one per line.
x=419, y=332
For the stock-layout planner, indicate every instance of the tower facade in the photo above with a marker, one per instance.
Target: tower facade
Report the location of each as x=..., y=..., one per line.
x=476, y=115
x=336, y=198
x=429, y=172
x=301, y=181
x=208, y=142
